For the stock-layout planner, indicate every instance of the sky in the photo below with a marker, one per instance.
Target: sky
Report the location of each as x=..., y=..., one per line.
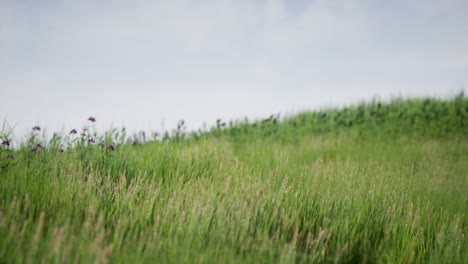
x=147, y=64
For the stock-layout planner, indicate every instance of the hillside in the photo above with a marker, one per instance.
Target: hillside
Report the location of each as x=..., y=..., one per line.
x=374, y=182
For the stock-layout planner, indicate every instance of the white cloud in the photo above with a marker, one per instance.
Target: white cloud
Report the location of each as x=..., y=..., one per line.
x=207, y=59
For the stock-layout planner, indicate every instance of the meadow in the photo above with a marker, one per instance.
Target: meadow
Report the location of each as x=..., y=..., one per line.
x=375, y=182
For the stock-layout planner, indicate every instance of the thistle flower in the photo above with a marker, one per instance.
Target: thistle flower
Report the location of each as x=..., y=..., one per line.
x=6, y=142
x=91, y=140
x=10, y=156
x=111, y=147
x=36, y=128
x=73, y=131
x=92, y=119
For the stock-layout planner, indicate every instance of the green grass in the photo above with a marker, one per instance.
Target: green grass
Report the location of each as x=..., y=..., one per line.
x=376, y=182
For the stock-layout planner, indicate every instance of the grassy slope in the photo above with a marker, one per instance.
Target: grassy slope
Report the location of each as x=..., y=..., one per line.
x=368, y=183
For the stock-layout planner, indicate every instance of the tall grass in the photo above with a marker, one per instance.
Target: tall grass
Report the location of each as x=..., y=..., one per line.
x=369, y=183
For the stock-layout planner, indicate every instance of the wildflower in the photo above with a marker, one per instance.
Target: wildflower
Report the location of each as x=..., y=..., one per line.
x=35, y=149
x=36, y=128
x=73, y=131
x=10, y=156
x=6, y=142
x=111, y=147
x=38, y=145
x=91, y=140
x=92, y=119
x=62, y=150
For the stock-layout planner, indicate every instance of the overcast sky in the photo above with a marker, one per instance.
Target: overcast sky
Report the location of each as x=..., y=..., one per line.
x=143, y=63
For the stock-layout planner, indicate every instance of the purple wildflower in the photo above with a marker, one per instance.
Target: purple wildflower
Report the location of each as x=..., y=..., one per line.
x=91, y=140
x=62, y=150
x=92, y=119
x=111, y=147
x=6, y=142
x=36, y=128
x=10, y=156
x=73, y=131
x=35, y=149
x=38, y=145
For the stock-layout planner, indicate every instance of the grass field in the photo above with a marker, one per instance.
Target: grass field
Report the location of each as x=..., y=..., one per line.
x=375, y=182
